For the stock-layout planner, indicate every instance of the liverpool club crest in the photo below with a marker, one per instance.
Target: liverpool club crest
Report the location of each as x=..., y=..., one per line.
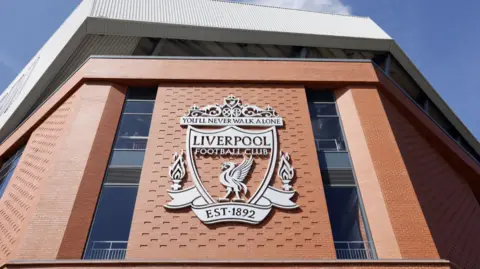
x=238, y=148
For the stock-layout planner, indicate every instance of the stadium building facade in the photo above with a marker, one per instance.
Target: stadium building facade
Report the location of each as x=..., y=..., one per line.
x=210, y=134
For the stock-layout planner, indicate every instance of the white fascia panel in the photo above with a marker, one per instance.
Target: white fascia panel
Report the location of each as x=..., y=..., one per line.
x=228, y=15
x=50, y=57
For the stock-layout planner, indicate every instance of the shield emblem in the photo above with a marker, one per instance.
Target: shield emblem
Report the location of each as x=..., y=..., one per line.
x=230, y=143
x=231, y=167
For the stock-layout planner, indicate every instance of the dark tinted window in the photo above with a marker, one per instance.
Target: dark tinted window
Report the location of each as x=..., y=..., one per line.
x=325, y=122
x=344, y=212
x=123, y=175
x=127, y=158
x=139, y=107
x=131, y=143
x=332, y=160
x=328, y=130
x=116, y=206
x=339, y=177
x=320, y=96
x=350, y=235
x=322, y=109
x=141, y=94
x=110, y=228
x=134, y=125
x=7, y=169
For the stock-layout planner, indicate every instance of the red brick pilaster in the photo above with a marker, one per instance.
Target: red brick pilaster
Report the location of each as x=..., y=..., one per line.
x=80, y=160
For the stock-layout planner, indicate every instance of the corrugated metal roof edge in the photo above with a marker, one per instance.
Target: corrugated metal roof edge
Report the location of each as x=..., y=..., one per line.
x=348, y=25
x=302, y=10
x=96, y=29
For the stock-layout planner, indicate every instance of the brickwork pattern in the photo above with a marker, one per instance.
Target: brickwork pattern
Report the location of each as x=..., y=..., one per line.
x=158, y=233
x=21, y=196
x=375, y=208
x=450, y=207
x=60, y=190
x=408, y=222
x=333, y=265
x=81, y=217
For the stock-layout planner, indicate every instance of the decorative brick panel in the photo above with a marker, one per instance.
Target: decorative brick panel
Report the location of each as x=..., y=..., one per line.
x=450, y=207
x=408, y=222
x=19, y=201
x=159, y=233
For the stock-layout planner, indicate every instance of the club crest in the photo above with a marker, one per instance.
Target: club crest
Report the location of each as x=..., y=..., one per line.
x=238, y=148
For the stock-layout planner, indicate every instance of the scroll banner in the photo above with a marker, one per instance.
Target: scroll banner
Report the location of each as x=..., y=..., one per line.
x=184, y=198
x=278, y=198
x=231, y=211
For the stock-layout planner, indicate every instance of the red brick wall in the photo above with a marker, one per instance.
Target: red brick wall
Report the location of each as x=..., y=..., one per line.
x=19, y=201
x=148, y=72
x=450, y=207
x=233, y=265
x=157, y=233
x=81, y=217
x=47, y=227
x=299, y=234
x=408, y=222
x=382, y=232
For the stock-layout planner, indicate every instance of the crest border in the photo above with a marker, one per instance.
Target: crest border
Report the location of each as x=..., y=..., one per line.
x=266, y=178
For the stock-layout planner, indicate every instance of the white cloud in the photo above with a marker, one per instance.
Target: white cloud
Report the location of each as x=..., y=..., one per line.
x=329, y=6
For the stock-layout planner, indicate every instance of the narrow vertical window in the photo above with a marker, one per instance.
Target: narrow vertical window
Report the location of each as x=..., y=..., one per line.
x=110, y=228
x=7, y=169
x=349, y=225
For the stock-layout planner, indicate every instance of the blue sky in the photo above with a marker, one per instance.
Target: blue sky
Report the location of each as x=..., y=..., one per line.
x=441, y=37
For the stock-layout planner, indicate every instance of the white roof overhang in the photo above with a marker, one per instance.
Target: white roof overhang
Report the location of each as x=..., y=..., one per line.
x=206, y=20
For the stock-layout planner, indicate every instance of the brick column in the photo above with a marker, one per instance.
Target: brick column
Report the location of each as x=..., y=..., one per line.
x=368, y=183
x=406, y=217
x=18, y=203
x=64, y=212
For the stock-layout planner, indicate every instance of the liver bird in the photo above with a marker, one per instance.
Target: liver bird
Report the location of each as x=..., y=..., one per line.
x=233, y=177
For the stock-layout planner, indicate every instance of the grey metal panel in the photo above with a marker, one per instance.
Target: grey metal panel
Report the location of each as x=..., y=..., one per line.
x=162, y=30
x=128, y=158
x=334, y=160
x=94, y=45
x=90, y=45
x=338, y=177
x=228, y=15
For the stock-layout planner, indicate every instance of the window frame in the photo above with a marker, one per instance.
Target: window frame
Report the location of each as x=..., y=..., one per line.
x=368, y=232
x=86, y=255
